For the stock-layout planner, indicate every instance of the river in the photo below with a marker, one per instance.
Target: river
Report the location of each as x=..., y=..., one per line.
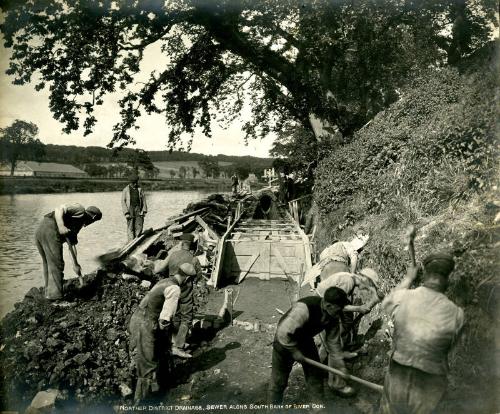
x=20, y=262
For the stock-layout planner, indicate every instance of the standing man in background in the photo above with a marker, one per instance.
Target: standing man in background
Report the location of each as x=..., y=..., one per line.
x=234, y=183
x=134, y=207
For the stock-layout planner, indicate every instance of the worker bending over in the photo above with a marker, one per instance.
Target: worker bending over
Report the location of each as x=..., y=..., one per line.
x=426, y=324
x=339, y=257
x=367, y=279
x=183, y=318
x=155, y=312
x=294, y=340
x=58, y=227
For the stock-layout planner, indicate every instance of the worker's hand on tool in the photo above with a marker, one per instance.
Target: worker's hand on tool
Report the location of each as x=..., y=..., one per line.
x=80, y=280
x=298, y=356
x=63, y=231
x=127, y=215
x=164, y=324
x=77, y=269
x=412, y=272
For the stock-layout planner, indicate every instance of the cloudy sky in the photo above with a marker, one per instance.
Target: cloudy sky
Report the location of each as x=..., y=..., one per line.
x=23, y=102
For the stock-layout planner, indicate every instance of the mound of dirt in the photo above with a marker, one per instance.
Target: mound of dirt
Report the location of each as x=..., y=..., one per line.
x=81, y=350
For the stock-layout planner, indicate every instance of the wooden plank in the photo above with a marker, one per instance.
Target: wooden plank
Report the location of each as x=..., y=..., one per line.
x=283, y=265
x=213, y=235
x=248, y=266
x=218, y=265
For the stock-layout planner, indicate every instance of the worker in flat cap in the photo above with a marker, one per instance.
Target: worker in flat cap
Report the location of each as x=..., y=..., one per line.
x=426, y=325
x=134, y=207
x=155, y=313
x=58, y=227
x=366, y=280
x=183, y=319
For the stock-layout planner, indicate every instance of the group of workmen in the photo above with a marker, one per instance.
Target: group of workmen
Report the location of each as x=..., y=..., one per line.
x=320, y=327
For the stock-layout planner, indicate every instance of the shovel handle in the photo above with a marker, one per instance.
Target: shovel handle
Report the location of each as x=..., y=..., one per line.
x=411, y=233
x=361, y=381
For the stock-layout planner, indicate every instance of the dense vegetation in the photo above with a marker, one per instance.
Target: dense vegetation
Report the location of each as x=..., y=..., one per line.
x=430, y=160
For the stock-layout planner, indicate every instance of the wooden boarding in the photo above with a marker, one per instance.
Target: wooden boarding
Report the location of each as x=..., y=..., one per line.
x=264, y=249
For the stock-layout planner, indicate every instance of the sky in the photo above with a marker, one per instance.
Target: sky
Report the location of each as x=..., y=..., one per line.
x=25, y=103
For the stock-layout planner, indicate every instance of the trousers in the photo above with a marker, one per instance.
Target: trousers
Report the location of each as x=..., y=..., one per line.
x=134, y=226
x=408, y=390
x=49, y=245
x=144, y=352
x=282, y=363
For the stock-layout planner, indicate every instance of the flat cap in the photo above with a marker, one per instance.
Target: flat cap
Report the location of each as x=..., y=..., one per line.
x=187, y=237
x=93, y=212
x=439, y=262
x=188, y=269
x=371, y=274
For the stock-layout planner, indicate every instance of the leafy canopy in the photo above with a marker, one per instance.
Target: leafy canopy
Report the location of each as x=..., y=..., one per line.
x=19, y=142
x=339, y=61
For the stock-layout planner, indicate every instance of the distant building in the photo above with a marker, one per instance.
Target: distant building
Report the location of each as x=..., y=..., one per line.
x=42, y=169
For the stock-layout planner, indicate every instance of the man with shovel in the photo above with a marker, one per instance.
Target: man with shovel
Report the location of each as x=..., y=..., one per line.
x=183, y=318
x=294, y=341
x=155, y=312
x=58, y=227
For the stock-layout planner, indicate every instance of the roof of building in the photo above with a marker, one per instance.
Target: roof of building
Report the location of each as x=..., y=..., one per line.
x=47, y=167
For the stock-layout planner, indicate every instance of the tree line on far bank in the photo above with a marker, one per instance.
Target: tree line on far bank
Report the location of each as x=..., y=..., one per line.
x=20, y=142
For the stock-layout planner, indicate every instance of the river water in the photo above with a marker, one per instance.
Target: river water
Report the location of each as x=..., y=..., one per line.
x=20, y=262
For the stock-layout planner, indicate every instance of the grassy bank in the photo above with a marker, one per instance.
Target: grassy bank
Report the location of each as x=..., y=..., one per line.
x=34, y=185
x=429, y=160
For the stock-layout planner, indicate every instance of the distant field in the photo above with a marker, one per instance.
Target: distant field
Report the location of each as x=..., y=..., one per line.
x=166, y=166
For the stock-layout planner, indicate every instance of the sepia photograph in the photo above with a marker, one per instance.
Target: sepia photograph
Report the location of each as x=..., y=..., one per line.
x=249, y=206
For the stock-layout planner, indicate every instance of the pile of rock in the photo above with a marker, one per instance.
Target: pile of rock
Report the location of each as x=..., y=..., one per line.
x=81, y=350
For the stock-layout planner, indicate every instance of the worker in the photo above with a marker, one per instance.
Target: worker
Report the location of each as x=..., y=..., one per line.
x=366, y=279
x=426, y=325
x=339, y=257
x=234, y=183
x=155, y=311
x=58, y=227
x=183, y=319
x=134, y=207
x=293, y=341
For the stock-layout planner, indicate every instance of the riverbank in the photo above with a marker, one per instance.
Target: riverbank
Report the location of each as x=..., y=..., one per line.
x=45, y=185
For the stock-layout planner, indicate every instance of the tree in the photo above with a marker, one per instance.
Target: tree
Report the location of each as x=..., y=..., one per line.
x=182, y=172
x=324, y=64
x=95, y=170
x=195, y=172
x=19, y=142
x=243, y=170
x=172, y=173
x=139, y=160
x=209, y=166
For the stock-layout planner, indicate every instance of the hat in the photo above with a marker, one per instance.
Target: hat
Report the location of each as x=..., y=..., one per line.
x=187, y=269
x=371, y=274
x=359, y=241
x=187, y=237
x=440, y=262
x=93, y=212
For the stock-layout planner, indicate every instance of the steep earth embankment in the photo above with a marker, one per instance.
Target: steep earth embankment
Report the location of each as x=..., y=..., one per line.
x=430, y=160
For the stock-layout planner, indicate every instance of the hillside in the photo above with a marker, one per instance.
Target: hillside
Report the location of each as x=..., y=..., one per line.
x=429, y=160
x=79, y=156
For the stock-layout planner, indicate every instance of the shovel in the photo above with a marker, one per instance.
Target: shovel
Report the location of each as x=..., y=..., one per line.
x=73, y=255
x=361, y=381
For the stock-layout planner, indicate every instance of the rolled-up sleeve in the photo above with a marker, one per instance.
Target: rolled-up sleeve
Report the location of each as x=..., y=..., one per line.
x=171, y=294
x=287, y=328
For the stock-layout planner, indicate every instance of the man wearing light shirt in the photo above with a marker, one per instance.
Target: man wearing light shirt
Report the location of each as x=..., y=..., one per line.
x=155, y=312
x=426, y=325
x=58, y=227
